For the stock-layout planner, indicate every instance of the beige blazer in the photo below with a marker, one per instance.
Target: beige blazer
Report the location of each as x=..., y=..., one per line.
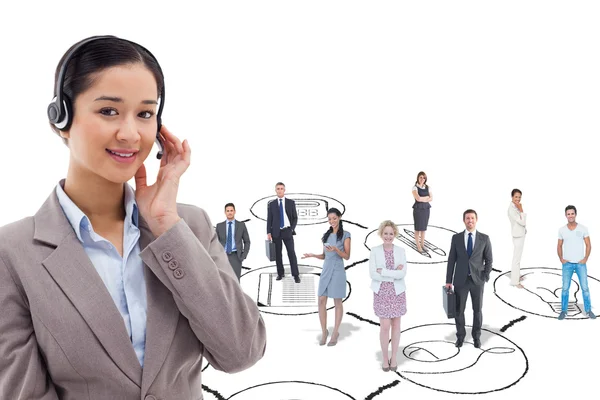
x=377, y=260
x=62, y=337
x=518, y=221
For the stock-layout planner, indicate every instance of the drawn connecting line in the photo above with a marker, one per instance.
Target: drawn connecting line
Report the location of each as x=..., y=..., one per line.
x=511, y=323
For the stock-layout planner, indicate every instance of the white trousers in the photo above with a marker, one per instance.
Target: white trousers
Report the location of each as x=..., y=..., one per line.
x=515, y=271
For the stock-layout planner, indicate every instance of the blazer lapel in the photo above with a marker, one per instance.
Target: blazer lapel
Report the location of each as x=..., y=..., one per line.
x=238, y=232
x=162, y=317
x=288, y=209
x=461, y=244
x=479, y=239
x=72, y=270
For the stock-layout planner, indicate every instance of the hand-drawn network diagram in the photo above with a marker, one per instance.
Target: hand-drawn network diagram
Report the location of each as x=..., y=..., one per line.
x=427, y=357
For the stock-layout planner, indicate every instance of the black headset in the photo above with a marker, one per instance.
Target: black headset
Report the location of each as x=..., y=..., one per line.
x=60, y=109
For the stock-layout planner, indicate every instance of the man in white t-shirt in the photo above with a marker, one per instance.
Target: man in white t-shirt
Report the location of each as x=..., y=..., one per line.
x=574, y=249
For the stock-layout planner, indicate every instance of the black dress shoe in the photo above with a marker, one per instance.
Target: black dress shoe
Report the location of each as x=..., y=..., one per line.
x=297, y=279
x=280, y=277
x=459, y=343
x=477, y=343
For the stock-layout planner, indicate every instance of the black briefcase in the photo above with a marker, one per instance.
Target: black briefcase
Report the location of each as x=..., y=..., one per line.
x=270, y=248
x=449, y=302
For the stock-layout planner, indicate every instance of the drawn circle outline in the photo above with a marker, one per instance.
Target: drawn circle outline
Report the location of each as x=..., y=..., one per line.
x=472, y=393
x=412, y=262
x=530, y=312
x=313, y=273
x=308, y=383
x=290, y=195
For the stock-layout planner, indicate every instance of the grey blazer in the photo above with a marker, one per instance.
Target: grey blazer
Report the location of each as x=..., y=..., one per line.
x=62, y=337
x=480, y=260
x=242, y=239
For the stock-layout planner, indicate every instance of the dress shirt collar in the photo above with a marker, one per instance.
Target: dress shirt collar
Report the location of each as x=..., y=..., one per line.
x=80, y=222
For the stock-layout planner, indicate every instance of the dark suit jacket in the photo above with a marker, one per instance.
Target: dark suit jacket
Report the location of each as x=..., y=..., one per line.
x=480, y=261
x=62, y=337
x=242, y=239
x=273, y=216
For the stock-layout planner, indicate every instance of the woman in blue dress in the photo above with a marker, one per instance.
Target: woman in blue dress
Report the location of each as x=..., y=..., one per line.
x=336, y=249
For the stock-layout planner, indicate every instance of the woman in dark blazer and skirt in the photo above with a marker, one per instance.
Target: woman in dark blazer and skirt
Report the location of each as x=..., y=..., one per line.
x=422, y=194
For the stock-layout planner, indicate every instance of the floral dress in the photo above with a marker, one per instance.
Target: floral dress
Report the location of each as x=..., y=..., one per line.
x=386, y=303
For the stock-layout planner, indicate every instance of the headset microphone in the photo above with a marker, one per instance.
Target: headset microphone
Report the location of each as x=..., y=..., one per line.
x=60, y=110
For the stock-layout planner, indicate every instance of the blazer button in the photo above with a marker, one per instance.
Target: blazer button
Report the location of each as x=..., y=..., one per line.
x=150, y=398
x=167, y=256
x=173, y=264
x=178, y=273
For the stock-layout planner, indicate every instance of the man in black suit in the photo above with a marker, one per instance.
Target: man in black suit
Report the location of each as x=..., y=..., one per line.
x=234, y=237
x=470, y=261
x=281, y=228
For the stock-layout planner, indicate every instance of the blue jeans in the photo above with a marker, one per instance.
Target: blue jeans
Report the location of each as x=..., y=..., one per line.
x=567, y=274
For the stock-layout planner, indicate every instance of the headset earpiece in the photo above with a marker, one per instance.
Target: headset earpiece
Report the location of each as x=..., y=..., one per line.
x=60, y=117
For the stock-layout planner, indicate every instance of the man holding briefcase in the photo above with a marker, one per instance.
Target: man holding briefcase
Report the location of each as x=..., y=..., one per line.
x=470, y=263
x=281, y=228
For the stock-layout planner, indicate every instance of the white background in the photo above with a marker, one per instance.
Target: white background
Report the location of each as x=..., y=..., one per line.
x=349, y=99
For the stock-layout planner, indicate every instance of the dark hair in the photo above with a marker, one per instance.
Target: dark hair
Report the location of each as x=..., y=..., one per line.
x=418, y=175
x=512, y=194
x=340, y=232
x=279, y=184
x=229, y=205
x=95, y=57
x=469, y=211
x=571, y=208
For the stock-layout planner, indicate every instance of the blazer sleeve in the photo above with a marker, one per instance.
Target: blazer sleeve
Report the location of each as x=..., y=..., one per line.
x=514, y=216
x=294, y=220
x=245, y=240
x=373, y=267
x=487, y=258
x=23, y=373
x=269, y=218
x=218, y=235
x=192, y=264
x=451, y=261
x=395, y=273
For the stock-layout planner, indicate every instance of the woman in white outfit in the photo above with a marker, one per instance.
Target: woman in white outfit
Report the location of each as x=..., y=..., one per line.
x=518, y=220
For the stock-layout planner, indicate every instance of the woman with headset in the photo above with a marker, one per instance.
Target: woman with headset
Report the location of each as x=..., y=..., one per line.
x=110, y=292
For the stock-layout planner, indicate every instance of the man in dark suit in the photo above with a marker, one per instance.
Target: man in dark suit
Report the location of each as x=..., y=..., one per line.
x=281, y=228
x=470, y=261
x=234, y=237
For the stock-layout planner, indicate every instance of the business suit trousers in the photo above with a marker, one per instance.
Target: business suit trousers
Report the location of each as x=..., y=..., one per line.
x=515, y=271
x=236, y=264
x=286, y=238
x=462, y=294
